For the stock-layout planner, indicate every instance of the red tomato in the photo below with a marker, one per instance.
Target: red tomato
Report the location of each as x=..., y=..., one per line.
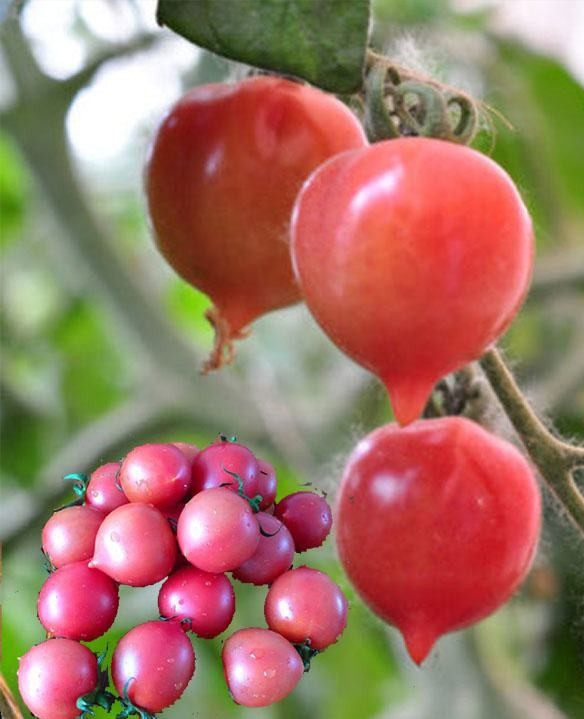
x=305, y=605
x=157, y=474
x=225, y=168
x=103, y=492
x=273, y=556
x=212, y=465
x=155, y=661
x=267, y=484
x=414, y=255
x=437, y=525
x=308, y=518
x=69, y=535
x=77, y=602
x=217, y=530
x=206, y=599
x=261, y=667
x=53, y=675
x=135, y=545
x=190, y=451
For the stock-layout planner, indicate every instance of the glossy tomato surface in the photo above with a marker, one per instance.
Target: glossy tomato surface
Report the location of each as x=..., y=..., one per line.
x=207, y=600
x=414, y=255
x=260, y=666
x=157, y=474
x=103, y=491
x=437, y=524
x=78, y=602
x=155, y=661
x=53, y=675
x=305, y=605
x=215, y=466
x=224, y=171
x=135, y=545
x=308, y=518
x=69, y=535
x=273, y=556
x=217, y=530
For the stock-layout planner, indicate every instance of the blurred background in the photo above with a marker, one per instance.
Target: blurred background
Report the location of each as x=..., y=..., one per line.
x=101, y=342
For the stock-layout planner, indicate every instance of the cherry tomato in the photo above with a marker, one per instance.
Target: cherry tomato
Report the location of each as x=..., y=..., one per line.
x=267, y=484
x=217, y=530
x=69, y=535
x=206, y=599
x=189, y=450
x=225, y=168
x=410, y=279
x=437, y=525
x=305, y=605
x=53, y=675
x=211, y=468
x=135, y=545
x=273, y=556
x=157, y=474
x=155, y=661
x=78, y=602
x=308, y=518
x=103, y=491
x=260, y=666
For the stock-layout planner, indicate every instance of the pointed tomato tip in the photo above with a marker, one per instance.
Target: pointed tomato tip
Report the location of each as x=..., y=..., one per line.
x=419, y=643
x=408, y=398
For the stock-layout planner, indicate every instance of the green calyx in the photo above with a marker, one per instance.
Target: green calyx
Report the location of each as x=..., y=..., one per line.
x=254, y=502
x=306, y=652
x=100, y=696
x=129, y=708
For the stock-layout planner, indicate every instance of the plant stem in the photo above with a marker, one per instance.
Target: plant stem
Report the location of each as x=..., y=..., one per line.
x=556, y=460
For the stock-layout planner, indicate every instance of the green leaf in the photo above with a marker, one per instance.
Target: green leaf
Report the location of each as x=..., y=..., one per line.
x=322, y=41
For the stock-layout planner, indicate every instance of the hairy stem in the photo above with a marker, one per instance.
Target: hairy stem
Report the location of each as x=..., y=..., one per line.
x=556, y=460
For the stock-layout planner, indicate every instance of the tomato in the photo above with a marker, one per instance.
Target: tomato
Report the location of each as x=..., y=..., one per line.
x=135, y=545
x=273, y=556
x=305, y=605
x=226, y=165
x=155, y=661
x=69, y=535
x=217, y=530
x=78, y=602
x=414, y=255
x=206, y=599
x=260, y=666
x=103, y=492
x=308, y=518
x=158, y=474
x=267, y=484
x=437, y=525
x=53, y=675
x=212, y=467
x=189, y=450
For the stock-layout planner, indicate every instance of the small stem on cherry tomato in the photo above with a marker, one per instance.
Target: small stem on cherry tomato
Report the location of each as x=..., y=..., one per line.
x=129, y=707
x=378, y=122
x=100, y=696
x=48, y=566
x=307, y=654
x=555, y=459
x=254, y=502
x=80, y=482
x=428, y=117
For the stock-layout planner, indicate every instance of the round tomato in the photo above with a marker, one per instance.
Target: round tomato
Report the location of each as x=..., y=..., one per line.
x=225, y=167
x=273, y=556
x=157, y=474
x=437, y=525
x=103, y=491
x=308, y=518
x=53, y=675
x=69, y=535
x=414, y=255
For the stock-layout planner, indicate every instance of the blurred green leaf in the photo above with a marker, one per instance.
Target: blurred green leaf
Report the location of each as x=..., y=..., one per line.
x=322, y=41
x=13, y=191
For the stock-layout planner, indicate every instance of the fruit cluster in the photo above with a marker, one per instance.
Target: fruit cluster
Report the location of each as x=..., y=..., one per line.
x=172, y=511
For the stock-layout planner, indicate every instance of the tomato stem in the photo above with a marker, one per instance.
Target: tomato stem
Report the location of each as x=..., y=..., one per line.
x=555, y=459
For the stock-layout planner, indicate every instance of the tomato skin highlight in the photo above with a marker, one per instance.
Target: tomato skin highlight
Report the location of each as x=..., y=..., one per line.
x=77, y=602
x=157, y=474
x=102, y=492
x=159, y=659
x=410, y=279
x=217, y=530
x=273, y=556
x=135, y=545
x=208, y=600
x=260, y=666
x=212, y=465
x=305, y=604
x=437, y=525
x=225, y=168
x=69, y=535
x=53, y=675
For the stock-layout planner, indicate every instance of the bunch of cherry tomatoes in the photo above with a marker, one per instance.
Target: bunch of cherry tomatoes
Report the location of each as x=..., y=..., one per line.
x=169, y=511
